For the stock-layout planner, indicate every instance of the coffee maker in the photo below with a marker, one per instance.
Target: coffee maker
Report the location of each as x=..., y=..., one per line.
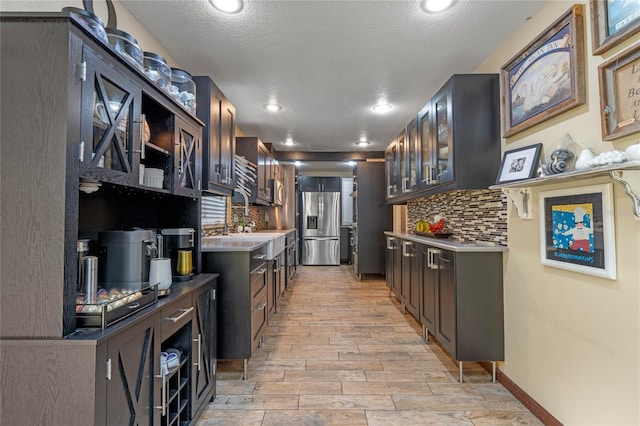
x=178, y=246
x=125, y=258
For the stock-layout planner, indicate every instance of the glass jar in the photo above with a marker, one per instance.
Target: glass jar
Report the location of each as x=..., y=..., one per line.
x=126, y=46
x=90, y=21
x=183, y=89
x=157, y=70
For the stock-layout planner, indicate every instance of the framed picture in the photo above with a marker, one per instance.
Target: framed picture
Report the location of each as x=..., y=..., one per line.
x=612, y=22
x=546, y=78
x=519, y=164
x=620, y=94
x=577, y=230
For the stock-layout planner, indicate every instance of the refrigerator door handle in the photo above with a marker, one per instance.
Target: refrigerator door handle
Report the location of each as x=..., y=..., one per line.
x=321, y=238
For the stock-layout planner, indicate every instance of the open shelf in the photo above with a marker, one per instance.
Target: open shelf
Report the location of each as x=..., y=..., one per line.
x=626, y=173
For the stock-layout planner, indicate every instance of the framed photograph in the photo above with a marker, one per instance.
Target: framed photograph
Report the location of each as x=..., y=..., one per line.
x=620, y=94
x=519, y=164
x=577, y=230
x=546, y=78
x=612, y=22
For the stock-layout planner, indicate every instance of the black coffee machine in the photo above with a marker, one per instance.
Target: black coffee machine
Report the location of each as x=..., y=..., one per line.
x=178, y=246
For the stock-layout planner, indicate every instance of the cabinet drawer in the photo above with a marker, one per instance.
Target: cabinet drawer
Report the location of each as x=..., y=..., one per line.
x=258, y=281
x=258, y=319
x=258, y=258
x=175, y=316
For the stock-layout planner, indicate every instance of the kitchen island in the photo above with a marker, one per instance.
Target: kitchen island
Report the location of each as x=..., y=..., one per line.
x=252, y=268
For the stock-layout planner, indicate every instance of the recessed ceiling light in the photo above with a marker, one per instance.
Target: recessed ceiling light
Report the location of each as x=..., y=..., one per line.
x=227, y=6
x=272, y=107
x=434, y=6
x=382, y=108
x=351, y=163
x=289, y=142
x=297, y=163
x=363, y=142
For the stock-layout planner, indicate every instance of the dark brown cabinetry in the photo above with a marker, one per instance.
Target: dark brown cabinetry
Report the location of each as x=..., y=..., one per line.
x=113, y=376
x=457, y=144
x=187, y=155
x=257, y=153
x=390, y=261
x=410, y=286
x=456, y=296
x=374, y=216
x=219, y=140
x=242, y=301
x=131, y=385
x=205, y=347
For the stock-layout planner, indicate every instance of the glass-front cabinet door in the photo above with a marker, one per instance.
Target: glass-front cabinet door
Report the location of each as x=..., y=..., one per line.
x=444, y=137
x=426, y=141
x=110, y=123
x=413, y=154
x=187, y=155
x=391, y=168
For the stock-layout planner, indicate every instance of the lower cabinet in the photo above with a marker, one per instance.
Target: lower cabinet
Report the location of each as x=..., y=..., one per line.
x=389, y=260
x=456, y=295
x=469, y=321
x=243, y=292
x=114, y=376
x=130, y=375
x=410, y=286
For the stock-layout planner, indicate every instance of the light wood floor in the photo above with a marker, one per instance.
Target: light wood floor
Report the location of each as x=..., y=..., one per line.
x=340, y=351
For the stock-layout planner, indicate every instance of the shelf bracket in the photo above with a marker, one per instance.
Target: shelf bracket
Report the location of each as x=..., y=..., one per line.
x=521, y=198
x=630, y=180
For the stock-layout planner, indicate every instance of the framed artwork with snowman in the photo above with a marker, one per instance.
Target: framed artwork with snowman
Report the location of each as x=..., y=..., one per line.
x=546, y=78
x=577, y=230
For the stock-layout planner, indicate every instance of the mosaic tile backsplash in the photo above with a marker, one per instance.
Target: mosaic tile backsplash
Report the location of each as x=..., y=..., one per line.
x=479, y=215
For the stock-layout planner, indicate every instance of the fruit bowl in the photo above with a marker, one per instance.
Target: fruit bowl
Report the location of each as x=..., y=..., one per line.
x=433, y=234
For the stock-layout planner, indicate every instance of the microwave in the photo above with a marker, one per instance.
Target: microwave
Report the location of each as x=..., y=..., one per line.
x=279, y=194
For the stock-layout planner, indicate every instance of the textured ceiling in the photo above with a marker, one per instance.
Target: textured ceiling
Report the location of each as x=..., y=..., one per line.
x=328, y=62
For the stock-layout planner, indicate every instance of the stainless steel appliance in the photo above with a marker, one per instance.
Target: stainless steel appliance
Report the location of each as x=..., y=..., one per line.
x=178, y=246
x=320, y=228
x=125, y=257
x=279, y=194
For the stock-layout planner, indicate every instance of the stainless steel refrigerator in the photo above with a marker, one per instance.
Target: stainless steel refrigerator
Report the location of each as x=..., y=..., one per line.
x=320, y=228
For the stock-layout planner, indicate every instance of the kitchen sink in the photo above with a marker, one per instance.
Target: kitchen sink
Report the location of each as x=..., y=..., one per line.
x=276, y=242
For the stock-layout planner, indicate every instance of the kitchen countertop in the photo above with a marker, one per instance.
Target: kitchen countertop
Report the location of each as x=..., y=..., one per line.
x=241, y=241
x=448, y=244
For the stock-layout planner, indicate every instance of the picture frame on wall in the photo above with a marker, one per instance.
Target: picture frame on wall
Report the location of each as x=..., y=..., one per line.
x=546, y=78
x=619, y=79
x=519, y=164
x=577, y=230
x=612, y=22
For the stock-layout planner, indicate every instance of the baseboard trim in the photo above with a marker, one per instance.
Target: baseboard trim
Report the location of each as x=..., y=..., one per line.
x=532, y=405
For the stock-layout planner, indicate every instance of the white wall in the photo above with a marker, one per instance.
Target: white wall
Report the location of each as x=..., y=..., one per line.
x=572, y=340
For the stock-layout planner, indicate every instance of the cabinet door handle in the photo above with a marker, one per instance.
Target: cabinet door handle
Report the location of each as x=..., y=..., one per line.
x=199, y=351
x=184, y=313
x=260, y=256
x=261, y=271
x=391, y=244
x=404, y=249
x=142, y=142
x=163, y=403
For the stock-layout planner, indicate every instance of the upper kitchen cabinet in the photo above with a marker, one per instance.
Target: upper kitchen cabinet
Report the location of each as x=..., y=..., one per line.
x=110, y=104
x=391, y=169
x=219, y=142
x=458, y=139
x=319, y=184
x=73, y=108
x=187, y=154
x=256, y=152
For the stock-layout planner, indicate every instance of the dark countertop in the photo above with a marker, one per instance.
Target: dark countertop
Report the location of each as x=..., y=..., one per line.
x=449, y=244
x=178, y=290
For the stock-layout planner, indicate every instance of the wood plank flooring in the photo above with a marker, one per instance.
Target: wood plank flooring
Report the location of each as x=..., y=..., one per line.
x=340, y=352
